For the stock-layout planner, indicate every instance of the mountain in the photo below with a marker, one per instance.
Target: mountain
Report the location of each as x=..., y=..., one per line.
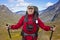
x=52, y=13
x=7, y=16
x=24, y=12
x=20, y=12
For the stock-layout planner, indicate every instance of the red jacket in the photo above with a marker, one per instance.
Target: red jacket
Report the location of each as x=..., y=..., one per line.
x=30, y=17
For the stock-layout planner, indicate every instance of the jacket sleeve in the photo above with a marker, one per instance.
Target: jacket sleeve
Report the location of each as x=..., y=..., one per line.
x=19, y=24
x=41, y=24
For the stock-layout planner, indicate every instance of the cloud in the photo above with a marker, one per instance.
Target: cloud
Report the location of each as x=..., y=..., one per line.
x=19, y=5
x=15, y=1
x=20, y=0
x=3, y=4
x=22, y=3
x=17, y=8
x=49, y=4
x=14, y=9
x=11, y=1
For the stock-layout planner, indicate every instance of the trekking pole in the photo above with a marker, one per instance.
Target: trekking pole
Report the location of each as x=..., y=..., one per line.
x=52, y=32
x=8, y=31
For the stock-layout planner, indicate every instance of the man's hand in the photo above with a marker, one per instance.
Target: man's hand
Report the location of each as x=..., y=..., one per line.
x=53, y=28
x=8, y=26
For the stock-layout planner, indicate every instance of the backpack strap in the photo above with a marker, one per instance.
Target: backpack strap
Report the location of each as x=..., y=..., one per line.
x=26, y=18
x=35, y=19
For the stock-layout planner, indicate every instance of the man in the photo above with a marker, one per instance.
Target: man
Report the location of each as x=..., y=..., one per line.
x=31, y=23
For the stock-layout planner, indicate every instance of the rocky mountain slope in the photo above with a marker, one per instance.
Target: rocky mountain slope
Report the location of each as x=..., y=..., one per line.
x=7, y=16
x=52, y=13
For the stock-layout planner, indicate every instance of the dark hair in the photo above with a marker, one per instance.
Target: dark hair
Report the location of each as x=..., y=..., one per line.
x=35, y=11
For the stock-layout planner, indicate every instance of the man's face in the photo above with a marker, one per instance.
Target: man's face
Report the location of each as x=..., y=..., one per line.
x=30, y=10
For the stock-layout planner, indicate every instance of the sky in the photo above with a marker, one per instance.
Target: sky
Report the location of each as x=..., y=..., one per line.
x=21, y=5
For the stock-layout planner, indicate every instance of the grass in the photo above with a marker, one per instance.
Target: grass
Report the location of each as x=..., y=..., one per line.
x=43, y=35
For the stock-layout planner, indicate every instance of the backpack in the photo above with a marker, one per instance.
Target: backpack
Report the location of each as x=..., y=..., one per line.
x=35, y=20
x=29, y=26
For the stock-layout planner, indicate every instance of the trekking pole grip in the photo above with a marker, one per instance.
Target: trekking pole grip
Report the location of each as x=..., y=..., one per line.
x=52, y=32
x=52, y=27
x=8, y=26
x=8, y=30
